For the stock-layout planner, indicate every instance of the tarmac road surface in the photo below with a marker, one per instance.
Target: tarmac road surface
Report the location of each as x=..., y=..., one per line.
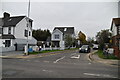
x=70, y=64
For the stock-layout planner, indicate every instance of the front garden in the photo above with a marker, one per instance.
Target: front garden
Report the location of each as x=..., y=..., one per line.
x=106, y=56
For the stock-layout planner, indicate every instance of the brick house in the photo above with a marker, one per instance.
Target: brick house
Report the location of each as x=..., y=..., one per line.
x=115, y=28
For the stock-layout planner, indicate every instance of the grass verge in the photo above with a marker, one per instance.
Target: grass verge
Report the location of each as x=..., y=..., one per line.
x=46, y=51
x=101, y=55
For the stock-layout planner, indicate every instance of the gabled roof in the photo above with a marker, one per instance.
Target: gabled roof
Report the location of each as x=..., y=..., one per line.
x=66, y=30
x=7, y=36
x=12, y=21
x=116, y=21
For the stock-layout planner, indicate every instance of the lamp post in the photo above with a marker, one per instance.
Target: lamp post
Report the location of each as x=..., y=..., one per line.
x=27, y=28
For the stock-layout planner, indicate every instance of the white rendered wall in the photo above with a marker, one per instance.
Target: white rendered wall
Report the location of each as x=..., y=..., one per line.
x=60, y=35
x=114, y=30
x=20, y=28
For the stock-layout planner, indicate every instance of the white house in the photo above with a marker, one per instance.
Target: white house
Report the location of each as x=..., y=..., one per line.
x=14, y=32
x=58, y=36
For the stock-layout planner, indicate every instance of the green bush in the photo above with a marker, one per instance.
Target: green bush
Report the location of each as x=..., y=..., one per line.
x=101, y=55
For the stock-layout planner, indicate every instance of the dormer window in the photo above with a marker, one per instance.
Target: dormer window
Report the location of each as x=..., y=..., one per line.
x=56, y=36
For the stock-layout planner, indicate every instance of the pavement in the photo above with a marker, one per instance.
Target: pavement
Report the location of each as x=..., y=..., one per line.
x=94, y=58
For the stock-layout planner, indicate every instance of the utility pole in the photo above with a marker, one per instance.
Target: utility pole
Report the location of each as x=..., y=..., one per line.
x=28, y=25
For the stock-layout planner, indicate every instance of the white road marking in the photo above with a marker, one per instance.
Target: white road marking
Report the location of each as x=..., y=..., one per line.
x=76, y=57
x=46, y=70
x=89, y=63
x=91, y=74
x=59, y=59
x=102, y=75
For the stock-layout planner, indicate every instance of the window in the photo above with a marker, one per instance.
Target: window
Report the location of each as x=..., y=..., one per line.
x=9, y=30
x=29, y=33
x=56, y=36
x=1, y=30
x=7, y=43
x=30, y=22
x=26, y=33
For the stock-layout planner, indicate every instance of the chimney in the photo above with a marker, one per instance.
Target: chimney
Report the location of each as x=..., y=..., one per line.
x=6, y=15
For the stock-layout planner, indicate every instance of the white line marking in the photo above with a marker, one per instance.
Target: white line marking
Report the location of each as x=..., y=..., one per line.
x=46, y=70
x=89, y=63
x=91, y=74
x=102, y=75
x=59, y=59
x=76, y=57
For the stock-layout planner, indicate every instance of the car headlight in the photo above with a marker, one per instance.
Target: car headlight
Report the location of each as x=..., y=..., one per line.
x=79, y=48
x=86, y=49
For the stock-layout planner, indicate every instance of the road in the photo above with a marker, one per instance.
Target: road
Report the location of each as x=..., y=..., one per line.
x=68, y=64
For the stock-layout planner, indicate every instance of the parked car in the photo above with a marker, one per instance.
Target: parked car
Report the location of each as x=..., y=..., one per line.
x=95, y=47
x=110, y=50
x=84, y=49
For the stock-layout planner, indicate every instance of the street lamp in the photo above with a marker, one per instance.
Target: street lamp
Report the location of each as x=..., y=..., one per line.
x=27, y=28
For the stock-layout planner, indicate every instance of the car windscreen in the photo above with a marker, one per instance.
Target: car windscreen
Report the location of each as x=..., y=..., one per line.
x=84, y=47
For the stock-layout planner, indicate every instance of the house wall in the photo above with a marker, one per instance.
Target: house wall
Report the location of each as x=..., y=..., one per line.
x=116, y=44
x=20, y=30
x=1, y=42
x=119, y=9
x=60, y=35
x=6, y=49
x=5, y=30
x=61, y=43
x=114, y=30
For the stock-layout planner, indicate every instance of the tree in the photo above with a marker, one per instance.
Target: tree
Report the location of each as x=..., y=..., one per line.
x=90, y=40
x=82, y=37
x=103, y=37
x=69, y=40
x=41, y=35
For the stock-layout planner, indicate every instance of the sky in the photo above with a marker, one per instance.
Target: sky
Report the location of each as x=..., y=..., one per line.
x=88, y=17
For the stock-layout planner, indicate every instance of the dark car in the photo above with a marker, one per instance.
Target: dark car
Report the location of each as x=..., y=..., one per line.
x=84, y=49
